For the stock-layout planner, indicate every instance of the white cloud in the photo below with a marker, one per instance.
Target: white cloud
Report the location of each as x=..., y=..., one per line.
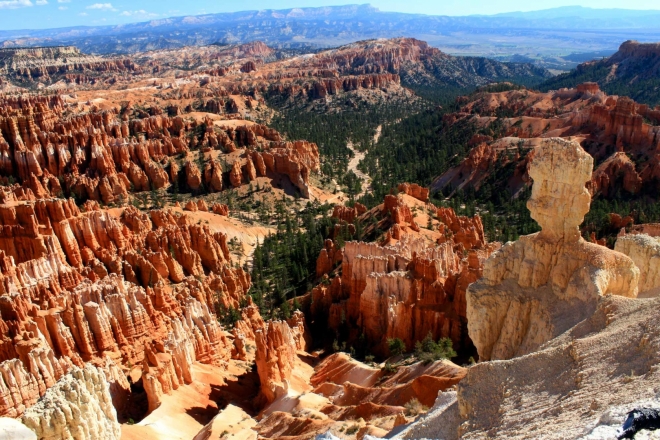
x=15, y=4
x=140, y=12
x=105, y=6
x=63, y=8
x=63, y=1
x=42, y=2
x=83, y=14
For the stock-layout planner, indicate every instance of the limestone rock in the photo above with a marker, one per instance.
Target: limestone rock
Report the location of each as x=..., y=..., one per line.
x=299, y=331
x=644, y=250
x=220, y=209
x=414, y=190
x=409, y=286
x=193, y=176
x=538, y=287
x=78, y=406
x=236, y=174
x=191, y=206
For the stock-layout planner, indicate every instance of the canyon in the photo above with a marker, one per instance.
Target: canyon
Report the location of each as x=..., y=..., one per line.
x=145, y=209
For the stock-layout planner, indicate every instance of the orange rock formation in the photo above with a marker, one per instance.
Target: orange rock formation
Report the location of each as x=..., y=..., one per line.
x=411, y=285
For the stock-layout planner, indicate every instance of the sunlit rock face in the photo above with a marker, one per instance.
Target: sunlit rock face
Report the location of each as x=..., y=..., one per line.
x=538, y=287
x=78, y=406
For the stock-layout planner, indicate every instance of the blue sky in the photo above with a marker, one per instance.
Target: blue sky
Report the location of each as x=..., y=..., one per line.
x=33, y=14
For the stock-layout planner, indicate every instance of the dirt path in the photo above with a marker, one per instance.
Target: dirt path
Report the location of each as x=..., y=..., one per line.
x=379, y=130
x=353, y=166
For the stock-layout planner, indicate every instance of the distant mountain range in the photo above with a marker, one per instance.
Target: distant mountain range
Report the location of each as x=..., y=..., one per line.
x=540, y=35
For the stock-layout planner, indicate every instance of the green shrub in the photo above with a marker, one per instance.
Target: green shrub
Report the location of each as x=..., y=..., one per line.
x=389, y=368
x=396, y=346
x=427, y=350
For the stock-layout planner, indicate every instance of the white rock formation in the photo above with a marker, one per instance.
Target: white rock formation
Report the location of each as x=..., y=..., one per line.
x=644, y=250
x=78, y=407
x=540, y=286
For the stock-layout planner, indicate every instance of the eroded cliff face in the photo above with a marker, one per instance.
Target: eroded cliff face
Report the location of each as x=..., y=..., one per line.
x=78, y=406
x=595, y=382
x=49, y=64
x=536, y=288
x=275, y=358
x=563, y=319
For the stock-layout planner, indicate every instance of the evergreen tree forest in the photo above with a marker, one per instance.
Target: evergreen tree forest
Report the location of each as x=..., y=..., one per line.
x=284, y=265
x=332, y=129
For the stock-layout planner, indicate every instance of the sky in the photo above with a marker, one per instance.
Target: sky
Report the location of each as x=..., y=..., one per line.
x=38, y=14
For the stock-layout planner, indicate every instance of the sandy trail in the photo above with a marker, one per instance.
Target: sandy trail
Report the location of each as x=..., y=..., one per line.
x=353, y=166
x=379, y=131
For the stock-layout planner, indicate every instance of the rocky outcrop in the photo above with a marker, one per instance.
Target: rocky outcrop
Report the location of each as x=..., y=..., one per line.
x=220, y=209
x=86, y=287
x=538, y=287
x=329, y=256
x=275, y=358
x=78, y=406
x=348, y=214
x=297, y=160
x=410, y=285
x=414, y=190
x=49, y=64
x=644, y=250
x=104, y=155
x=236, y=174
x=492, y=395
x=464, y=230
x=617, y=172
x=299, y=331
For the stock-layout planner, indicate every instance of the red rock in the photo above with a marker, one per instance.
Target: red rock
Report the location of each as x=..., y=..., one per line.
x=250, y=170
x=275, y=358
x=193, y=176
x=213, y=176
x=406, y=288
x=414, y=190
x=612, y=129
x=327, y=259
x=236, y=174
x=248, y=67
x=605, y=177
x=467, y=231
x=191, y=206
x=221, y=209
x=295, y=160
x=588, y=87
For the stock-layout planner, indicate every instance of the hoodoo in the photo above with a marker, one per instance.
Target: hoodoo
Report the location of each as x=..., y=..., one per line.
x=545, y=283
